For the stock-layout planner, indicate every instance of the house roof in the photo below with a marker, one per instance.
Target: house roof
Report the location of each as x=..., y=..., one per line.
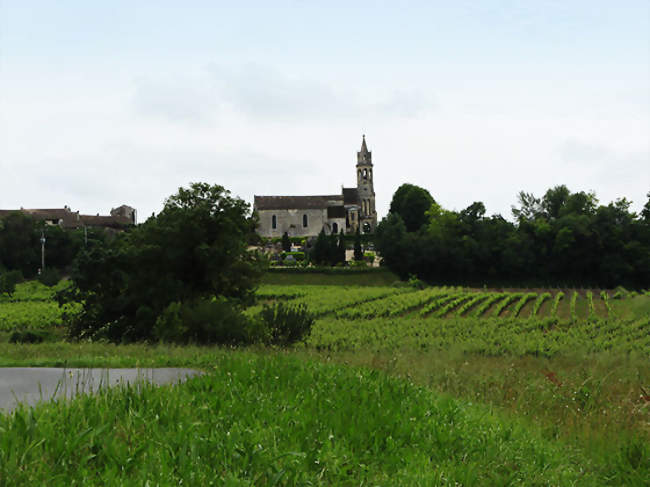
x=297, y=202
x=70, y=219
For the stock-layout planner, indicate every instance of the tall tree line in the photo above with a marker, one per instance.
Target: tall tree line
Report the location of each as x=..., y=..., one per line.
x=562, y=238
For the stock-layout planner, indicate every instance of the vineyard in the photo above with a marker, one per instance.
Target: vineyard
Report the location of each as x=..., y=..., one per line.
x=572, y=361
x=351, y=302
x=542, y=323
x=32, y=306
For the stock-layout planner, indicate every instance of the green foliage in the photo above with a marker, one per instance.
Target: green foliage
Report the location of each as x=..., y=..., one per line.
x=328, y=249
x=340, y=249
x=556, y=303
x=195, y=248
x=411, y=203
x=527, y=297
x=8, y=281
x=539, y=301
x=572, y=306
x=358, y=252
x=286, y=324
x=298, y=256
x=413, y=281
x=320, y=252
x=20, y=246
x=277, y=420
x=563, y=237
x=204, y=321
x=31, y=336
x=286, y=242
x=50, y=277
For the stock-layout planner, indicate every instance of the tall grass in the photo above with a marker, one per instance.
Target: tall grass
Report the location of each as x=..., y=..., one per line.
x=276, y=420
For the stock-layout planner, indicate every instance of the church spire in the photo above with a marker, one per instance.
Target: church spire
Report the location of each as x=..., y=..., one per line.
x=364, y=147
x=364, y=156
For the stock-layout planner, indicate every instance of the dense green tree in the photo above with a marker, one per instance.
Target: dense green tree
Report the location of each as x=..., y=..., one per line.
x=286, y=242
x=390, y=239
x=340, y=249
x=195, y=248
x=358, y=252
x=411, y=203
x=332, y=249
x=645, y=213
x=20, y=248
x=320, y=252
x=563, y=238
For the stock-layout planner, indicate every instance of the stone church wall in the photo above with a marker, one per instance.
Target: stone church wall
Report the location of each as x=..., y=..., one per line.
x=291, y=221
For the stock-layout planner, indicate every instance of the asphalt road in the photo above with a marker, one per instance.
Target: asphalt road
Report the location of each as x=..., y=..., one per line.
x=31, y=385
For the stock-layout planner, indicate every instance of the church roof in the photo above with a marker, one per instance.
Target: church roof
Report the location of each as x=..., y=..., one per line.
x=350, y=196
x=297, y=202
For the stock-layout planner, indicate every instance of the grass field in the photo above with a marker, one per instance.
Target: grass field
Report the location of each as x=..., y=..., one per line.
x=395, y=386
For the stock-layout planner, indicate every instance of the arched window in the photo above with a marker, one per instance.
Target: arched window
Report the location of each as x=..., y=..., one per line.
x=335, y=228
x=305, y=222
x=274, y=222
x=365, y=174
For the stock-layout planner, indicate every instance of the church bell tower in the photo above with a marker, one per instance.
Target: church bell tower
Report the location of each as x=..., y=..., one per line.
x=365, y=189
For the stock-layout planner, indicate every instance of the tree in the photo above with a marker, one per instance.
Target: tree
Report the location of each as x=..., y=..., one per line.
x=645, y=213
x=340, y=250
x=332, y=249
x=358, y=252
x=390, y=242
x=554, y=200
x=411, y=203
x=20, y=248
x=563, y=238
x=530, y=207
x=195, y=248
x=320, y=252
x=286, y=242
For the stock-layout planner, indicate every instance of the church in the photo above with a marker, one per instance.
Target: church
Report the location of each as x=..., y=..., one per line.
x=306, y=216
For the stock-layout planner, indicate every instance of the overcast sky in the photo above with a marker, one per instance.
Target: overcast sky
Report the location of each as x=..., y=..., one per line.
x=121, y=102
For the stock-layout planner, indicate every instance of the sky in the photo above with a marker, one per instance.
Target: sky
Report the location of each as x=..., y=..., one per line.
x=122, y=102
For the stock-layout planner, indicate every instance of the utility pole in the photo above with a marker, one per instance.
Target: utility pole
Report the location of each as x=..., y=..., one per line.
x=42, y=251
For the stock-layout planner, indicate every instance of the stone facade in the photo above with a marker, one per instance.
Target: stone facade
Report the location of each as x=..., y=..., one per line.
x=306, y=216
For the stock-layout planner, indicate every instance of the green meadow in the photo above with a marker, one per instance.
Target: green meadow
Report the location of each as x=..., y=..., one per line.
x=394, y=386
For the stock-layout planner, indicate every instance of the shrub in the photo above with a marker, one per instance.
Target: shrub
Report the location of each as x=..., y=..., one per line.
x=298, y=256
x=286, y=242
x=8, y=281
x=30, y=336
x=286, y=324
x=416, y=283
x=206, y=321
x=50, y=277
